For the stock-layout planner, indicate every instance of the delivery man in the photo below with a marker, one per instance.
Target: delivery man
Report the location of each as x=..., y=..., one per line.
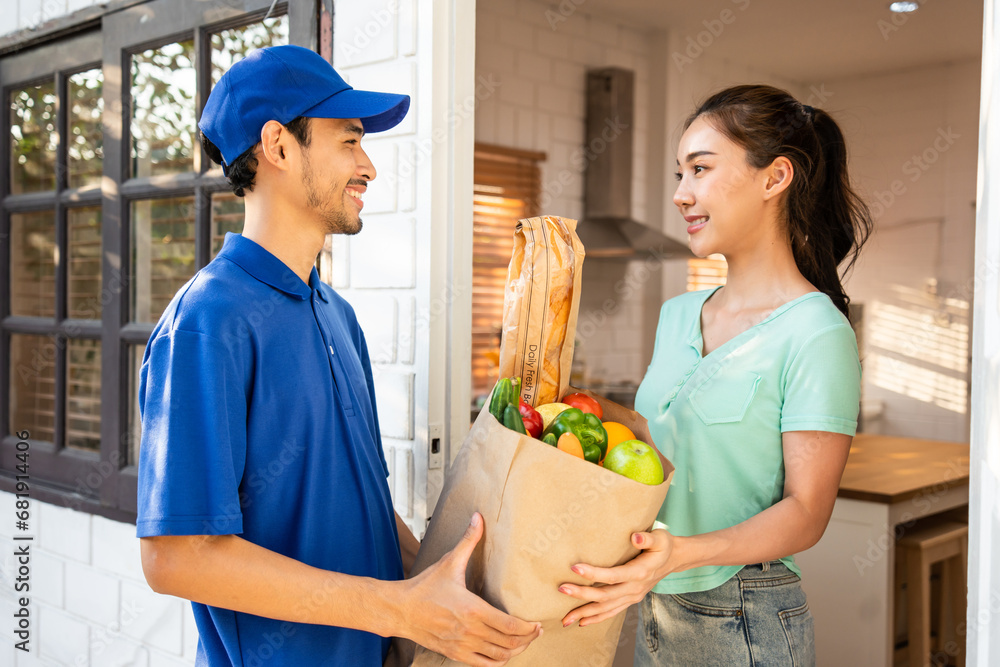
x=262, y=485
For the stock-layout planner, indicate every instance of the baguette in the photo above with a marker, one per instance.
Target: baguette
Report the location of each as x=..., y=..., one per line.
x=541, y=303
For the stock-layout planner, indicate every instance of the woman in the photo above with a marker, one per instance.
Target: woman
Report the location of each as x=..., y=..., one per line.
x=752, y=392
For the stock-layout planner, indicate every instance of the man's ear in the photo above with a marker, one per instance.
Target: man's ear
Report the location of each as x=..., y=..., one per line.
x=274, y=144
x=778, y=177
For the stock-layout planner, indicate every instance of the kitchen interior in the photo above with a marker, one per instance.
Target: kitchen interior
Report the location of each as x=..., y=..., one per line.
x=905, y=88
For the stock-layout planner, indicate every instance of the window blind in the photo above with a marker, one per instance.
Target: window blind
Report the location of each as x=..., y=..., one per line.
x=706, y=273
x=507, y=185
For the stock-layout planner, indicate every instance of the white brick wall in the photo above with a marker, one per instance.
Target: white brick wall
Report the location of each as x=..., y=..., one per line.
x=541, y=106
x=376, y=47
x=29, y=14
x=540, y=101
x=90, y=605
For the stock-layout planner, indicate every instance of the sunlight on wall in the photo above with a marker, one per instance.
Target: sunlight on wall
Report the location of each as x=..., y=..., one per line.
x=918, y=347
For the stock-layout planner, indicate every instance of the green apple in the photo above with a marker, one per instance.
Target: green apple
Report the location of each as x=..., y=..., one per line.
x=635, y=460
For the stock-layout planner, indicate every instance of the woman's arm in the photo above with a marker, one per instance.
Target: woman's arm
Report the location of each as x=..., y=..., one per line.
x=814, y=463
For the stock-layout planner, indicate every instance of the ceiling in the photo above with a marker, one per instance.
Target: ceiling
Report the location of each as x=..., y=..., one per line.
x=809, y=41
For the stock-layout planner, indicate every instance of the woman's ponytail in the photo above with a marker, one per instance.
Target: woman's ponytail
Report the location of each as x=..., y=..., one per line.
x=840, y=221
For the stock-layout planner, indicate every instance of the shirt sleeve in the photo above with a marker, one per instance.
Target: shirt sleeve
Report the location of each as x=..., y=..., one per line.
x=822, y=387
x=193, y=448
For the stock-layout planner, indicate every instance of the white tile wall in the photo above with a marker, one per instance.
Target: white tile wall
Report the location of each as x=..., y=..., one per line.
x=394, y=394
x=152, y=619
x=27, y=14
x=540, y=106
x=49, y=577
x=382, y=255
x=377, y=316
x=376, y=46
x=63, y=638
x=110, y=650
x=116, y=548
x=65, y=532
x=90, y=605
x=364, y=32
x=92, y=594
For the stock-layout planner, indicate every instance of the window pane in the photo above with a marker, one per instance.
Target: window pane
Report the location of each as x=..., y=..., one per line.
x=227, y=216
x=33, y=264
x=83, y=394
x=163, y=123
x=229, y=46
x=162, y=253
x=84, y=267
x=134, y=423
x=33, y=138
x=85, y=144
x=32, y=386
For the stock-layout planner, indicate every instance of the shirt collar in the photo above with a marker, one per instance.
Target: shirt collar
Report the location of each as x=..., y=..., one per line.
x=696, y=339
x=267, y=268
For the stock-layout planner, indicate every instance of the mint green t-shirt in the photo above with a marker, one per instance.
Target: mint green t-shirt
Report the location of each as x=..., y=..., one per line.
x=719, y=418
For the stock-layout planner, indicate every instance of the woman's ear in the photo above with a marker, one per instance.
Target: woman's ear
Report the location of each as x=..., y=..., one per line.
x=778, y=177
x=273, y=140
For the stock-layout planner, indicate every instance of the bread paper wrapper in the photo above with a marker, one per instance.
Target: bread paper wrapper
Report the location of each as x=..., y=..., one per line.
x=543, y=511
x=540, y=307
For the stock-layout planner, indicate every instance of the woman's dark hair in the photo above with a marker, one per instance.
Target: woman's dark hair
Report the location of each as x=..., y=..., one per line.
x=827, y=221
x=243, y=170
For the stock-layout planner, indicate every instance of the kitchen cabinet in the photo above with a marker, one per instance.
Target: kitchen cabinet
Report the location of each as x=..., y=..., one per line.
x=889, y=483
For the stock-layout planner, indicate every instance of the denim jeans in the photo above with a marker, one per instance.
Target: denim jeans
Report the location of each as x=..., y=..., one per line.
x=758, y=618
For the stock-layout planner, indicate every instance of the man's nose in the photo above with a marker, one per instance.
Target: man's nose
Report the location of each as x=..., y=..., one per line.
x=366, y=169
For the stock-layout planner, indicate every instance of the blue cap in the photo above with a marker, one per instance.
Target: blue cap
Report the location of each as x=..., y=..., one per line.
x=282, y=83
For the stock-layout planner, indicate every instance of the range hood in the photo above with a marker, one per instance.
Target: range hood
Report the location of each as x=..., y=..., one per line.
x=607, y=228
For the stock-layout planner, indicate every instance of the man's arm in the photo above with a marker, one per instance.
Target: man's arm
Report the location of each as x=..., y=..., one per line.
x=408, y=545
x=433, y=609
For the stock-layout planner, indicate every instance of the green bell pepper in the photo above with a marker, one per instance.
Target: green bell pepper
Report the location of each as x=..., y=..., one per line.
x=512, y=420
x=587, y=427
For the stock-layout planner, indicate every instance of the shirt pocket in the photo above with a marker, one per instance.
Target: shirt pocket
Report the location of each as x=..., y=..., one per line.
x=725, y=398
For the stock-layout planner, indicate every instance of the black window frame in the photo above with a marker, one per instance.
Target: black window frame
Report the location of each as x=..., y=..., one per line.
x=102, y=482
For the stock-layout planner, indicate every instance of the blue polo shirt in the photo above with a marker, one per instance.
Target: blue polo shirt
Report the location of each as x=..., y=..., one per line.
x=258, y=419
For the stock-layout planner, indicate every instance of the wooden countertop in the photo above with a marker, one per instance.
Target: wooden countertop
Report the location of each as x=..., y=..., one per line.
x=889, y=469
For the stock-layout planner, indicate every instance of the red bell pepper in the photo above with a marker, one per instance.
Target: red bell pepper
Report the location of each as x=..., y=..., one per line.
x=532, y=420
x=584, y=403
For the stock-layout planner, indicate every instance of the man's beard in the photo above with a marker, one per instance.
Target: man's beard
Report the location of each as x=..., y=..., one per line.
x=335, y=221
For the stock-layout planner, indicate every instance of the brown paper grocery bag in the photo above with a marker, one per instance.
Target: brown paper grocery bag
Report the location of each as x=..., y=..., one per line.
x=543, y=511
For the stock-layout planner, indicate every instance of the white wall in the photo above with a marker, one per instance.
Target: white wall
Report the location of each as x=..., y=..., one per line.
x=913, y=138
x=90, y=605
x=540, y=57
x=378, y=271
x=28, y=14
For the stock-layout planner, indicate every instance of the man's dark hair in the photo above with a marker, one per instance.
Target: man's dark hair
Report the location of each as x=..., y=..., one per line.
x=243, y=170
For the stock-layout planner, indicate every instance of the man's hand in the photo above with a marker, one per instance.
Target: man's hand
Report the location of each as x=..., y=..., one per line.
x=441, y=614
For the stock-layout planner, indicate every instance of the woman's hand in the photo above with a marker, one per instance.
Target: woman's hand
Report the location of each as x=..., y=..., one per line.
x=625, y=584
